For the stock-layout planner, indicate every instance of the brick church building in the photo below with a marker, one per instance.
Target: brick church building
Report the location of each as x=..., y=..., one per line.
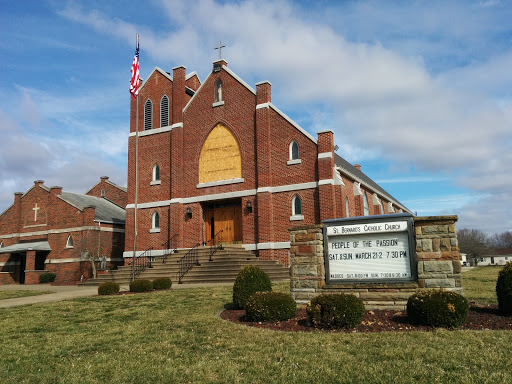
x=48, y=230
x=218, y=161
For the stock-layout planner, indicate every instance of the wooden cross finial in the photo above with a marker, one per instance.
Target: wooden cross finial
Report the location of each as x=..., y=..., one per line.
x=219, y=47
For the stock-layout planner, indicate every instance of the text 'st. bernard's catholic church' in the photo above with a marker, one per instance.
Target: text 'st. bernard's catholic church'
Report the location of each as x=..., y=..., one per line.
x=217, y=160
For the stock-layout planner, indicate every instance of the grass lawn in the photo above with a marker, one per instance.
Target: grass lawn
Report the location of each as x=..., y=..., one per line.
x=16, y=294
x=480, y=284
x=176, y=337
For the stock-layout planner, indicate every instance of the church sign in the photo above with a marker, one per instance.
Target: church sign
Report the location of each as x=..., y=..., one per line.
x=374, y=249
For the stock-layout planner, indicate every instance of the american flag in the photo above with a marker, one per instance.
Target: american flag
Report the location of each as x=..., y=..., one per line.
x=134, y=82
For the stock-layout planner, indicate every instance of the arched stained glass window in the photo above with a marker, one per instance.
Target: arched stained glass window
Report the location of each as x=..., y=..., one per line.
x=155, y=222
x=156, y=173
x=69, y=242
x=296, y=206
x=294, y=150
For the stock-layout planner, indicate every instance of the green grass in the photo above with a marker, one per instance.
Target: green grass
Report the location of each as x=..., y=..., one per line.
x=16, y=294
x=480, y=284
x=176, y=337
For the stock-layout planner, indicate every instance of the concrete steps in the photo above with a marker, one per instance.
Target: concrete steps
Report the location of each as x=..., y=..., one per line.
x=223, y=268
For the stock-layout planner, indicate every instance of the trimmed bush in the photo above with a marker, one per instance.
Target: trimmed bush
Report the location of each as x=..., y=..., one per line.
x=270, y=306
x=438, y=308
x=249, y=280
x=162, y=283
x=335, y=311
x=47, y=277
x=108, y=288
x=504, y=288
x=141, y=285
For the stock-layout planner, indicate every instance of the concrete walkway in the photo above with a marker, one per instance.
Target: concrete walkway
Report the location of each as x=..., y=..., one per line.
x=67, y=292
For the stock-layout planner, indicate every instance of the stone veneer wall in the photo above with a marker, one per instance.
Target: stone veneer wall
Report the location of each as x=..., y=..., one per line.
x=437, y=255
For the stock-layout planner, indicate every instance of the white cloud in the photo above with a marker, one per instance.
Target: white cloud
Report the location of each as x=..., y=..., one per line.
x=390, y=92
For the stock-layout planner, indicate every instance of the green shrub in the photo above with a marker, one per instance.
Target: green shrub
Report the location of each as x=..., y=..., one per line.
x=47, y=277
x=249, y=280
x=335, y=311
x=270, y=306
x=108, y=288
x=504, y=288
x=438, y=308
x=162, y=283
x=141, y=285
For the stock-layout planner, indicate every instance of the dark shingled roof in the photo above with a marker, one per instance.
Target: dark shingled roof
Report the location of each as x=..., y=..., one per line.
x=105, y=211
x=345, y=165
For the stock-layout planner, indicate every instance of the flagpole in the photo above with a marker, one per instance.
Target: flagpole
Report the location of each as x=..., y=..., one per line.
x=136, y=176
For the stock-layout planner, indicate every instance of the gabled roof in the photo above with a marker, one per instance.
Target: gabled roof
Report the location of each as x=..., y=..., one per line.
x=356, y=174
x=156, y=69
x=105, y=211
x=124, y=189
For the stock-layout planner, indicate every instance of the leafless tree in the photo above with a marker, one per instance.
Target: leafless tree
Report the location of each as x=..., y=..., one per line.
x=473, y=243
x=501, y=240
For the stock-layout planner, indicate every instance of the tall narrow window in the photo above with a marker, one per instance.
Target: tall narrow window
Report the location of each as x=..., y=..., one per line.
x=294, y=150
x=218, y=91
x=1, y=244
x=69, y=243
x=155, y=222
x=347, y=210
x=148, y=115
x=365, y=202
x=164, y=111
x=156, y=173
x=296, y=209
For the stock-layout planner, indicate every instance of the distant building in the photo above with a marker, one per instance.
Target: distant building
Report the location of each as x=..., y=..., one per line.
x=217, y=161
x=496, y=257
x=47, y=229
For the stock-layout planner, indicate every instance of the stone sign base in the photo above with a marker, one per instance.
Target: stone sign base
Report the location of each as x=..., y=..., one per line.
x=438, y=266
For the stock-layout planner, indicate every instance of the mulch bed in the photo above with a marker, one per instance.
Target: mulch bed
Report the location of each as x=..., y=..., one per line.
x=481, y=317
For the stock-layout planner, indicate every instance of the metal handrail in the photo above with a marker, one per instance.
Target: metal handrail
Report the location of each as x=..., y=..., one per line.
x=214, y=247
x=187, y=262
x=141, y=262
x=170, y=248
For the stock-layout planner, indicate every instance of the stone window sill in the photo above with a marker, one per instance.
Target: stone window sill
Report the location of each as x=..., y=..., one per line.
x=294, y=161
x=154, y=230
x=296, y=217
x=156, y=182
x=218, y=104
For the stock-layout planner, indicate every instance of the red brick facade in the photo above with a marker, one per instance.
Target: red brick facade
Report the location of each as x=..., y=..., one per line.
x=66, y=226
x=271, y=178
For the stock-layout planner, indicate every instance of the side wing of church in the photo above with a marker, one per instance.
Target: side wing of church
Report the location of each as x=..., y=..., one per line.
x=48, y=230
x=217, y=161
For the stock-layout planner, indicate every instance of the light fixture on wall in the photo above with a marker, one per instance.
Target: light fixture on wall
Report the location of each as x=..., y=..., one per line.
x=189, y=213
x=249, y=206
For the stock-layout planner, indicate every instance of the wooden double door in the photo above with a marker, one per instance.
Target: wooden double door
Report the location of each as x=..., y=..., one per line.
x=226, y=217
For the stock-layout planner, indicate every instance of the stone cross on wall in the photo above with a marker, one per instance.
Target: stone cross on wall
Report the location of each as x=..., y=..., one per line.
x=35, y=209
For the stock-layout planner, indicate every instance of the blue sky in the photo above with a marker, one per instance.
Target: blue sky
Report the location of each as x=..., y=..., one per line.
x=418, y=93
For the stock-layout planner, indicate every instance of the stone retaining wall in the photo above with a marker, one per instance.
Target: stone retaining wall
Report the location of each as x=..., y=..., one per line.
x=437, y=255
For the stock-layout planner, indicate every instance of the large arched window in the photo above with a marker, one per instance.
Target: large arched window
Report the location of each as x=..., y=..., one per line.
x=365, y=202
x=218, y=97
x=155, y=222
x=347, y=210
x=164, y=111
x=148, y=115
x=69, y=242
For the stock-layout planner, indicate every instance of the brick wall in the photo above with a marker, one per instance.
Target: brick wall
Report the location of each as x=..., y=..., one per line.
x=437, y=256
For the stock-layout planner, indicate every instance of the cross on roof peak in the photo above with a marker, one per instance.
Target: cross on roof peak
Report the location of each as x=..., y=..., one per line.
x=219, y=47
